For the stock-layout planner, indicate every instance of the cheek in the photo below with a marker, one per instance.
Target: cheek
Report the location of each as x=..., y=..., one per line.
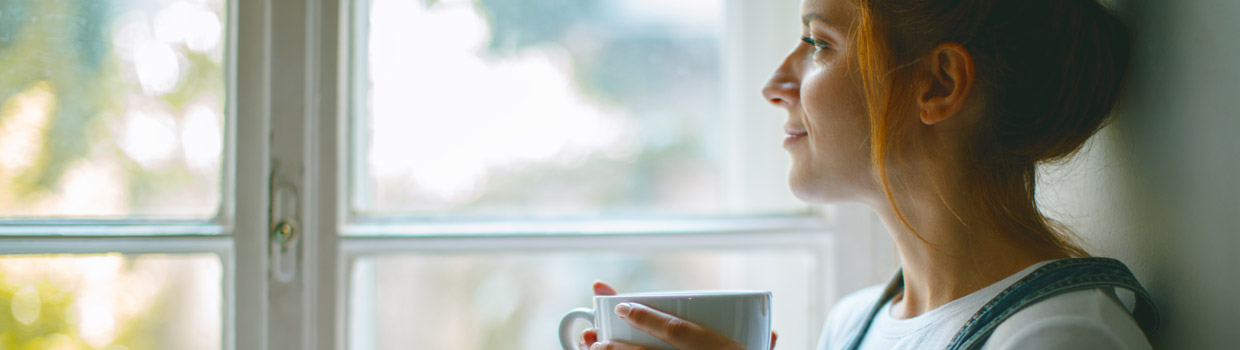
x=835, y=90
x=835, y=113
x=836, y=165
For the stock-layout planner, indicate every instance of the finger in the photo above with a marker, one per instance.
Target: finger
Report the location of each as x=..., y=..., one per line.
x=774, y=336
x=602, y=288
x=609, y=345
x=673, y=330
x=589, y=337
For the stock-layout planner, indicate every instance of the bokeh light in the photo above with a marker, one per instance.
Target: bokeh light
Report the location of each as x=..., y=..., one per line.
x=458, y=124
x=115, y=110
x=111, y=301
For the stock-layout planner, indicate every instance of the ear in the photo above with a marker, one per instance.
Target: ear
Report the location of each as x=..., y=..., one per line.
x=948, y=84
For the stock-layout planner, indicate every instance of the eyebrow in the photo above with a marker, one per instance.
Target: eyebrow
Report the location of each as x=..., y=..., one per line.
x=814, y=16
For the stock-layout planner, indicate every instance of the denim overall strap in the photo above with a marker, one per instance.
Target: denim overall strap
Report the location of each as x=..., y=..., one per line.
x=1055, y=278
x=894, y=287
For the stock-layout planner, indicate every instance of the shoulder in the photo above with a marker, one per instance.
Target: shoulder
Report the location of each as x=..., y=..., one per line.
x=848, y=315
x=1085, y=319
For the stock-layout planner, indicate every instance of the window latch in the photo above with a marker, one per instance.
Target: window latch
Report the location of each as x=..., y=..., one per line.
x=284, y=232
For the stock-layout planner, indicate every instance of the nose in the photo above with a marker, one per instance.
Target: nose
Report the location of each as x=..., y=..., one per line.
x=784, y=88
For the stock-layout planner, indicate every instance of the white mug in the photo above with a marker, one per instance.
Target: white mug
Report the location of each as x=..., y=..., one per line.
x=743, y=316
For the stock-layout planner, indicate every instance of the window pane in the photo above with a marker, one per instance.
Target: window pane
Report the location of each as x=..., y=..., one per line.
x=561, y=108
x=110, y=301
x=111, y=108
x=515, y=301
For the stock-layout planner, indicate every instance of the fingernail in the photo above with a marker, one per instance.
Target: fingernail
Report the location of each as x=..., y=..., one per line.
x=622, y=310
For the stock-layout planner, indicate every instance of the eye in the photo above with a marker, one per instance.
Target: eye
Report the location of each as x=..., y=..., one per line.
x=818, y=45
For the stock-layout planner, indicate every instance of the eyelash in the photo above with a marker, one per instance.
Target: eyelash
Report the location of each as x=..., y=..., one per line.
x=817, y=44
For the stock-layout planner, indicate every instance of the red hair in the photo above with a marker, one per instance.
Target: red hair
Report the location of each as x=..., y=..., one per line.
x=1049, y=72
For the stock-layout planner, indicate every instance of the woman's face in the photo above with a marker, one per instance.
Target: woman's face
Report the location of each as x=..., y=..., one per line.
x=828, y=126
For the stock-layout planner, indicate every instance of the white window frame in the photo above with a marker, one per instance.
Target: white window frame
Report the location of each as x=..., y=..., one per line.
x=848, y=240
x=289, y=76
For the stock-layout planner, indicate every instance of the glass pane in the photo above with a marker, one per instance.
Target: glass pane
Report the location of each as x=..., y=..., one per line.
x=560, y=108
x=111, y=108
x=110, y=302
x=515, y=301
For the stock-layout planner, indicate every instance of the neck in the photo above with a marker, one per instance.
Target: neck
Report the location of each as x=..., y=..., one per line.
x=946, y=258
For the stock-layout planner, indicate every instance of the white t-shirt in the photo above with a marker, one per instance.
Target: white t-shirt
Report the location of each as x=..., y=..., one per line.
x=1085, y=319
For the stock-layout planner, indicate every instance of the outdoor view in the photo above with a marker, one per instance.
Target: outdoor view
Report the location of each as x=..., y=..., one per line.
x=551, y=108
x=471, y=109
x=111, y=110
x=542, y=109
x=111, y=302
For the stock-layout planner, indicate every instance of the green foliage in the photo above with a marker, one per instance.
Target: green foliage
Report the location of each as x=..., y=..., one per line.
x=51, y=325
x=58, y=42
x=54, y=324
x=66, y=45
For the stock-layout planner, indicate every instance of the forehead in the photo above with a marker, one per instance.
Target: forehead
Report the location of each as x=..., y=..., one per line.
x=837, y=13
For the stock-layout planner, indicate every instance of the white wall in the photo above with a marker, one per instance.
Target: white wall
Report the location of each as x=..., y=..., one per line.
x=1160, y=188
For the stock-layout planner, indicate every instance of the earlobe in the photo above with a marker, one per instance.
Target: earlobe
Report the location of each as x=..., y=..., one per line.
x=948, y=83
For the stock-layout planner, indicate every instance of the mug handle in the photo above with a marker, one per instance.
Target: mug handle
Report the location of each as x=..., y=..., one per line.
x=566, y=326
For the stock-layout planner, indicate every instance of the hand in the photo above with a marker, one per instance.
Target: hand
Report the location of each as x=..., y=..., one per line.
x=677, y=332
x=589, y=337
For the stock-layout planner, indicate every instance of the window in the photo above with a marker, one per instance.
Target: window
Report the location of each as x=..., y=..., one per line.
x=546, y=109
x=112, y=109
x=113, y=221
x=544, y=144
x=371, y=174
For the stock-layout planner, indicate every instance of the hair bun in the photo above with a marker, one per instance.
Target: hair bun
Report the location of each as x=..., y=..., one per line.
x=1055, y=72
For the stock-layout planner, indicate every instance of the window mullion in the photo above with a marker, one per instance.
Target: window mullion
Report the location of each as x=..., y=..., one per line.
x=288, y=85
x=325, y=152
x=250, y=127
x=303, y=141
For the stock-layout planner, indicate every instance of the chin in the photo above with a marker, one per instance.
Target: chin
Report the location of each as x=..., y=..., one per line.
x=807, y=190
x=817, y=189
x=818, y=197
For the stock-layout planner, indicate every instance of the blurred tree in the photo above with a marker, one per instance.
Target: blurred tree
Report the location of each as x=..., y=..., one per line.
x=51, y=309
x=61, y=43
x=618, y=62
x=66, y=48
x=516, y=25
x=627, y=64
x=41, y=315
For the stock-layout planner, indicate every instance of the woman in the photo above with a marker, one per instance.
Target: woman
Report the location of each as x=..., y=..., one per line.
x=935, y=114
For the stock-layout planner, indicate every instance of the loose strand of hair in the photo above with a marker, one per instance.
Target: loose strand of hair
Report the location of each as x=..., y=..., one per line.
x=872, y=59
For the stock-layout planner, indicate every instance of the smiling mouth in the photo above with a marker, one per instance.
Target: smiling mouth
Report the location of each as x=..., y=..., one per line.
x=794, y=135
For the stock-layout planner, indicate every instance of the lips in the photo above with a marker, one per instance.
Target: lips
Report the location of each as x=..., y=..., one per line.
x=794, y=134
